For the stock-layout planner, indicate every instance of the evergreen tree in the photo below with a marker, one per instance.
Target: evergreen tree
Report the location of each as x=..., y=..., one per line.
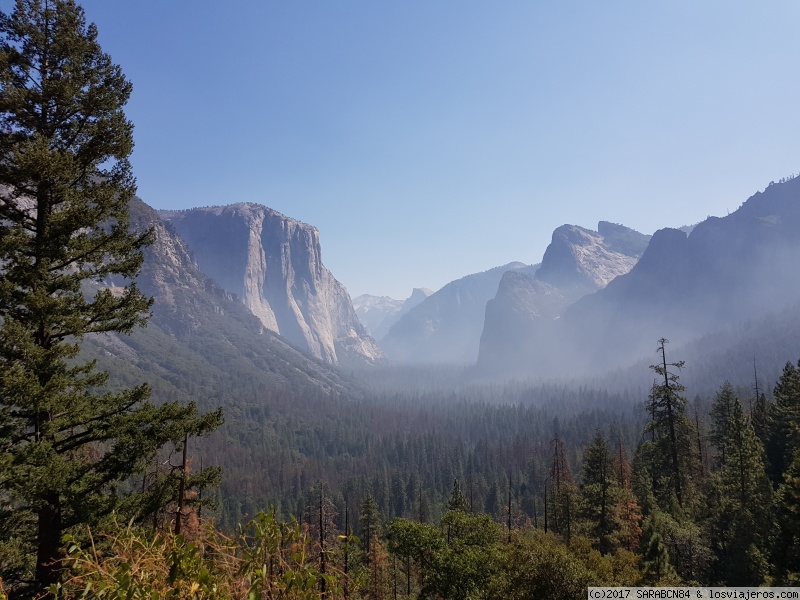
x=760, y=418
x=671, y=454
x=741, y=507
x=65, y=187
x=786, y=558
x=562, y=493
x=784, y=423
x=628, y=511
x=370, y=522
x=598, y=492
x=656, y=566
x=457, y=499
x=720, y=415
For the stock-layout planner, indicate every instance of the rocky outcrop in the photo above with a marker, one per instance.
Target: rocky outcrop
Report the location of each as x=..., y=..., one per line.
x=379, y=313
x=577, y=262
x=446, y=327
x=580, y=259
x=274, y=265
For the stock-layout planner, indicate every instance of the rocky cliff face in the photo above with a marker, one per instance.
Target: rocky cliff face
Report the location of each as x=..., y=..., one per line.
x=274, y=265
x=577, y=262
x=580, y=259
x=725, y=271
x=446, y=326
x=201, y=341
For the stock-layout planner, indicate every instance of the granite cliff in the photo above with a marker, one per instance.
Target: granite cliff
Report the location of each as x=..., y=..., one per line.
x=274, y=265
x=577, y=262
x=201, y=341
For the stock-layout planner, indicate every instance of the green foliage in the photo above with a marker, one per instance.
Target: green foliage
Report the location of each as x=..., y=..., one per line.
x=370, y=521
x=721, y=413
x=598, y=488
x=784, y=423
x=656, y=566
x=277, y=559
x=538, y=565
x=786, y=554
x=740, y=501
x=457, y=559
x=686, y=547
x=458, y=501
x=67, y=257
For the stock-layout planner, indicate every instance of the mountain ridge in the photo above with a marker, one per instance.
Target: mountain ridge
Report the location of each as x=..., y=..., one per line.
x=725, y=270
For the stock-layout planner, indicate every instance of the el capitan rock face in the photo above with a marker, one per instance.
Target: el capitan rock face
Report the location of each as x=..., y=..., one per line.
x=274, y=265
x=200, y=338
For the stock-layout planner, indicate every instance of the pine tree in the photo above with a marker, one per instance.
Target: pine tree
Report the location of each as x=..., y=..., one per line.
x=786, y=557
x=628, y=512
x=65, y=187
x=457, y=499
x=598, y=491
x=656, y=566
x=671, y=434
x=562, y=492
x=784, y=423
x=760, y=418
x=720, y=415
x=741, y=518
x=370, y=522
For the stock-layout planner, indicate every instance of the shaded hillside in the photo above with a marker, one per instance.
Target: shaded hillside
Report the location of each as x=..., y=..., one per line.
x=738, y=353
x=446, y=326
x=727, y=270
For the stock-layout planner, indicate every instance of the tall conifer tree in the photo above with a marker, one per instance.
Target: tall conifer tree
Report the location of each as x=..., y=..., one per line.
x=784, y=423
x=67, y=257
x=721, y=412
x=671, y=454
x=741, y=516
x=598, y=491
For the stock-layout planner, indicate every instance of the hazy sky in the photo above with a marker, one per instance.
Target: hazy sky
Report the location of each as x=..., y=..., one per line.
x=432, y=139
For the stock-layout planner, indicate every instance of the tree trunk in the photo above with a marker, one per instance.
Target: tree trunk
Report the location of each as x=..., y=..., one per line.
x=49, y=541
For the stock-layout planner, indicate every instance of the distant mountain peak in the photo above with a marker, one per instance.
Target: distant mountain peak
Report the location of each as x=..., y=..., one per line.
x=582, y=258
x=379, y=313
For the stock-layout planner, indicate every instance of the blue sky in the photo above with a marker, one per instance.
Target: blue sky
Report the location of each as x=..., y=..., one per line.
x=431, y=139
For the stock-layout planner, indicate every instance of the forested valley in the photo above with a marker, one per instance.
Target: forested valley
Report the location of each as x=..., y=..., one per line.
x=179, y=448
x=498, y=490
